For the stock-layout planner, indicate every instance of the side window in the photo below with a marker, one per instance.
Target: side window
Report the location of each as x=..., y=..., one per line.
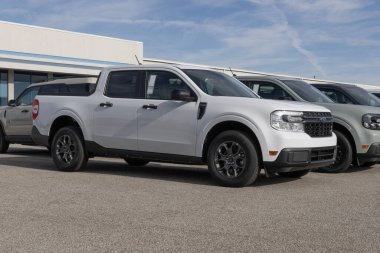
x=270, y=90
x=249, y=84
x=336, y=96
x=123, y=84
x=161, y=84
x=52, y=89
x=26, y=98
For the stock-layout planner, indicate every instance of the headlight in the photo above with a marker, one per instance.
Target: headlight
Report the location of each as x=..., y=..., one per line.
x=371, y=121
x=287, y=121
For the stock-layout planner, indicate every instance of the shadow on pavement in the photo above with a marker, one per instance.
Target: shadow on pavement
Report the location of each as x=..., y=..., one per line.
x=39, y=159
x=351, y=169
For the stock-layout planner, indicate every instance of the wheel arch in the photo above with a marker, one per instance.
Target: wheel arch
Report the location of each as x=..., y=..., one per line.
x=344, y=130
x=231, y=125
x=60, y=122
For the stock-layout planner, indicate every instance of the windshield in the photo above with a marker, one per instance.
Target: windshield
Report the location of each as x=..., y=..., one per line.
x=218, y=84
x=307, y=92
x=362, y=96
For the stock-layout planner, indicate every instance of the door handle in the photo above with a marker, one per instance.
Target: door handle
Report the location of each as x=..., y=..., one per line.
x=25, y=111
x=150, y=106
x=106, y=104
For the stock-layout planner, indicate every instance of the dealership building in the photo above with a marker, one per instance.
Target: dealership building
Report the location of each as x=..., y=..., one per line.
x=30, y=54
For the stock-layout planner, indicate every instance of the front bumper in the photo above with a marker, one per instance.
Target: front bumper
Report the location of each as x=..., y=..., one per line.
x=295, y=159
x=372, y=154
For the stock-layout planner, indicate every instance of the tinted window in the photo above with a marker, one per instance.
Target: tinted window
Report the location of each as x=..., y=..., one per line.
x=52, y=89
x=161, y=84
x=62, y=89
x=336, y=96
x=218, y=84
x=270, y=90
x=307, y=92
x=27, y=97
x=362, y=96
x=123, y=84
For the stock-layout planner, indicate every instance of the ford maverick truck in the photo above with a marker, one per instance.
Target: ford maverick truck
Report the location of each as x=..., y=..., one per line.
x=188, y=115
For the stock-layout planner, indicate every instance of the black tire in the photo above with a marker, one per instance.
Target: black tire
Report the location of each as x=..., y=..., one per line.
x=294, y=174
x=68, y=149
x=343, y=157
x=4, y=145
x=237, y=154
x=368, y=164
x=136, y=162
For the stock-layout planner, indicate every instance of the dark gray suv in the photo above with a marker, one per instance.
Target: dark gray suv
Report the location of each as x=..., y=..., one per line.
x=16, y=118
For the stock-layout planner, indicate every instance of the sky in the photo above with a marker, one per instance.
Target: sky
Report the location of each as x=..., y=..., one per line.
x=329, y=39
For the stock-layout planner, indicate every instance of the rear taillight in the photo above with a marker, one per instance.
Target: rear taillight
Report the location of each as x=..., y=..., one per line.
x=36, y=107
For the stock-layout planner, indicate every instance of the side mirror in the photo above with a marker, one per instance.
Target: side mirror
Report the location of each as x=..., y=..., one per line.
x=12, y=102
x=182, y=95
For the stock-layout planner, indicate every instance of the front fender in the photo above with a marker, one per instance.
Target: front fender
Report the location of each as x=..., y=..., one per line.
x=207, y=128
x=351, y=129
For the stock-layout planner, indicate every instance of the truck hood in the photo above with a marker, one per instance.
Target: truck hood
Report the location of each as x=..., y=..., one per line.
x=268, y=104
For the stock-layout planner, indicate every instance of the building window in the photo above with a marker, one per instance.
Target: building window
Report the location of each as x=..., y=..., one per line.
x=3, y=88
x=24, y=79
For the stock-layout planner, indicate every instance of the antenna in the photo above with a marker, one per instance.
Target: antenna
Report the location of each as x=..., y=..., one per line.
x=232, y=72
x=138, y=60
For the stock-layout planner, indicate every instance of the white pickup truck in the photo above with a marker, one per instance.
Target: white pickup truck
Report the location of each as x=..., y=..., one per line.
x=184, y=115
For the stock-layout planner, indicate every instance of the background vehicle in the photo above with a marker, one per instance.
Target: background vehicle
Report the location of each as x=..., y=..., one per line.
x=348, y=94
x=356, y=126
x=16, y=118
x=184, y=115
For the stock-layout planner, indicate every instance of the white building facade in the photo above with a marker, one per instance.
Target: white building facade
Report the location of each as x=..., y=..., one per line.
x=30, y=54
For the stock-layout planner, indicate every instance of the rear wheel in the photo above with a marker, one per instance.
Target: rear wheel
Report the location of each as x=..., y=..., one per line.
x=136, y=162
x=294, y=174
x=233, y=160
x=343, y=156
x=4, y=145
x=68, y=150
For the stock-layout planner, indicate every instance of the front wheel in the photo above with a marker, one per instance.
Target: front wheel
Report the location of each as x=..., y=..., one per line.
x=68, y=150
x=233, y=160
x=343, y=158
x=4, y=145
x=294, y=174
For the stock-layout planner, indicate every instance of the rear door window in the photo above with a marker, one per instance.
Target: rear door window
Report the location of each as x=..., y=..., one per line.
x=124, y=84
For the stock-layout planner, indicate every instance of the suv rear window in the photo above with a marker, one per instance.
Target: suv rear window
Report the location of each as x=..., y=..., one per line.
x=62, y=89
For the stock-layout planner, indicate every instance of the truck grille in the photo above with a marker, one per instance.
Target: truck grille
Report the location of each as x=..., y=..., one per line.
x=322, y=154
x=318, y=124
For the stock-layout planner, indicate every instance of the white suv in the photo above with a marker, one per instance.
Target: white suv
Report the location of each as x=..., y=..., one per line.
x=184, y=115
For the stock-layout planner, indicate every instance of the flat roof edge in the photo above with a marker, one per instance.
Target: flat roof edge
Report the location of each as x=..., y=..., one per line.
x=70, y=32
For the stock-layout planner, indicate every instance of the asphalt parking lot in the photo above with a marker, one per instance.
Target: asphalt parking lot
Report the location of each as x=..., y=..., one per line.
x=171, y=208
